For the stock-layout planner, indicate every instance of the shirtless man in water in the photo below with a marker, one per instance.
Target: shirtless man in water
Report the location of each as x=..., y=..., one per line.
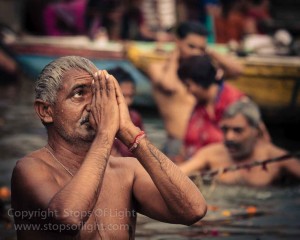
x=243, y=143
x=174, y=102
x=73, y=188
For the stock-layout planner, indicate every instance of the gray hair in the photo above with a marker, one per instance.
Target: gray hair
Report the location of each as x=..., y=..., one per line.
x=49, y=81
x=247, y=108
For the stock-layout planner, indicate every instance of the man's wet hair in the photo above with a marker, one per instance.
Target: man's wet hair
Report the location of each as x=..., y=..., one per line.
x=189, y=27
x=122, y=75
x=50, y=79
x=247, y=108
x=199, y=69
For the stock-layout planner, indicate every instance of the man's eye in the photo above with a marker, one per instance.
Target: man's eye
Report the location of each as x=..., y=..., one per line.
x=78, y=93
x=238, y=130
x=192, y=46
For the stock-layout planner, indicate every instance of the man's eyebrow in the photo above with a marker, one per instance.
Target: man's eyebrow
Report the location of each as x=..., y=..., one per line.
x=80, y=85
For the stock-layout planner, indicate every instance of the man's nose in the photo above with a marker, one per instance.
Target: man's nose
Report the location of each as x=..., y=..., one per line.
x=229, y=135
x=88, y=107
x=197, y=52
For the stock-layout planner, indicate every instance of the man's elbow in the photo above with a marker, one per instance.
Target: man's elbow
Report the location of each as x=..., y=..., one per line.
x=237, y=71
x=72, y=223
x=196, y=214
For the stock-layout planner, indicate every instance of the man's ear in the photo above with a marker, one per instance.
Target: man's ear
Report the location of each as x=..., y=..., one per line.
x=43, y=110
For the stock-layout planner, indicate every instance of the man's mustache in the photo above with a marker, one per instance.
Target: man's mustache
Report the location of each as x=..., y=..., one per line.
x=231, y=144
x=85, y=119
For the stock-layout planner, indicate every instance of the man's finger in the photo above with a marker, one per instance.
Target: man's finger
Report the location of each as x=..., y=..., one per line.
x=102, y=82
x=119, y=94
x=97, y=86
x=110, y=85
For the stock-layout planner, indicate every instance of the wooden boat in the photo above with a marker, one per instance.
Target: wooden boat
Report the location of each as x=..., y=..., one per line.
x=33, y=53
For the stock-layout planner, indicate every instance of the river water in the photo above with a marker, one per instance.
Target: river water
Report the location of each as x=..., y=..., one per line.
x=233, y=212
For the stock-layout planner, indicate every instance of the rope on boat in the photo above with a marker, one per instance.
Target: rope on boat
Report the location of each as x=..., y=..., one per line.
x=208, y=175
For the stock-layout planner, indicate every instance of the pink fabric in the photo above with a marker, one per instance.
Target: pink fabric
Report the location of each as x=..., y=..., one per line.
x=72, y=14
x=202, y=129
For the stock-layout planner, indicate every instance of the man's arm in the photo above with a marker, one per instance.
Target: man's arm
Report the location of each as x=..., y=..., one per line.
x=292, y=165
x=164, y=74
x=232, y=68
x=162, y=191
x=196, y=163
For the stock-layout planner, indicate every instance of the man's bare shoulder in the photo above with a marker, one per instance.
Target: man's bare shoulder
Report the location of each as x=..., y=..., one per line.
x=214, y=149
x=30, y=167
x=269, y=149
x=214, y=153
x=33, y=181
x=32, y=161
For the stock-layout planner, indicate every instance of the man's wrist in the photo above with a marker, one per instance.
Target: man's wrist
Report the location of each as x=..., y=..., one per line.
x=104, y=138
x=127, y=135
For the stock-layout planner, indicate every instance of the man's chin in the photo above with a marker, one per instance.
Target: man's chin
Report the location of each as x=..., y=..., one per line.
x=234, y=153
x=89, y=135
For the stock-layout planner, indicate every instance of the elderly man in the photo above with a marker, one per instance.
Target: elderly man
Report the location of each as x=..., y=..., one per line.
x=174, y=102
x=243, y=143
x=73, y=187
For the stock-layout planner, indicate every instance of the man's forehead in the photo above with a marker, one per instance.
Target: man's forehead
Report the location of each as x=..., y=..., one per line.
x=236, y=121
x=74, y=75
x=196, y=38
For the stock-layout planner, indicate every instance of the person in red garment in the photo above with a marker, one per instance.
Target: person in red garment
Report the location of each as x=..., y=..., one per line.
x=128, y=89
x=213, y=96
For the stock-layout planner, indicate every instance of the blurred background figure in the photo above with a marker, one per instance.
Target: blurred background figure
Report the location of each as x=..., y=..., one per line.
x=243, y=143
x=118, y=19
x=232, y=23
x=174, y=102
x=212, y=95
x=199, y=11
x=105, y=17
x=238, y=18
x=33, y=19
x=64, y=18
x=128, y=88
x=158, y=19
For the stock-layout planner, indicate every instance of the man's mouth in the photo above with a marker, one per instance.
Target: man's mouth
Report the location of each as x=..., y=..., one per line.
x=85, y=120
x=232, y=147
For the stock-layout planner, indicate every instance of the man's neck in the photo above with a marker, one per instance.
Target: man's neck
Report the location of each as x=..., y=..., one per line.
x=250, y=156
x=70, y=155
